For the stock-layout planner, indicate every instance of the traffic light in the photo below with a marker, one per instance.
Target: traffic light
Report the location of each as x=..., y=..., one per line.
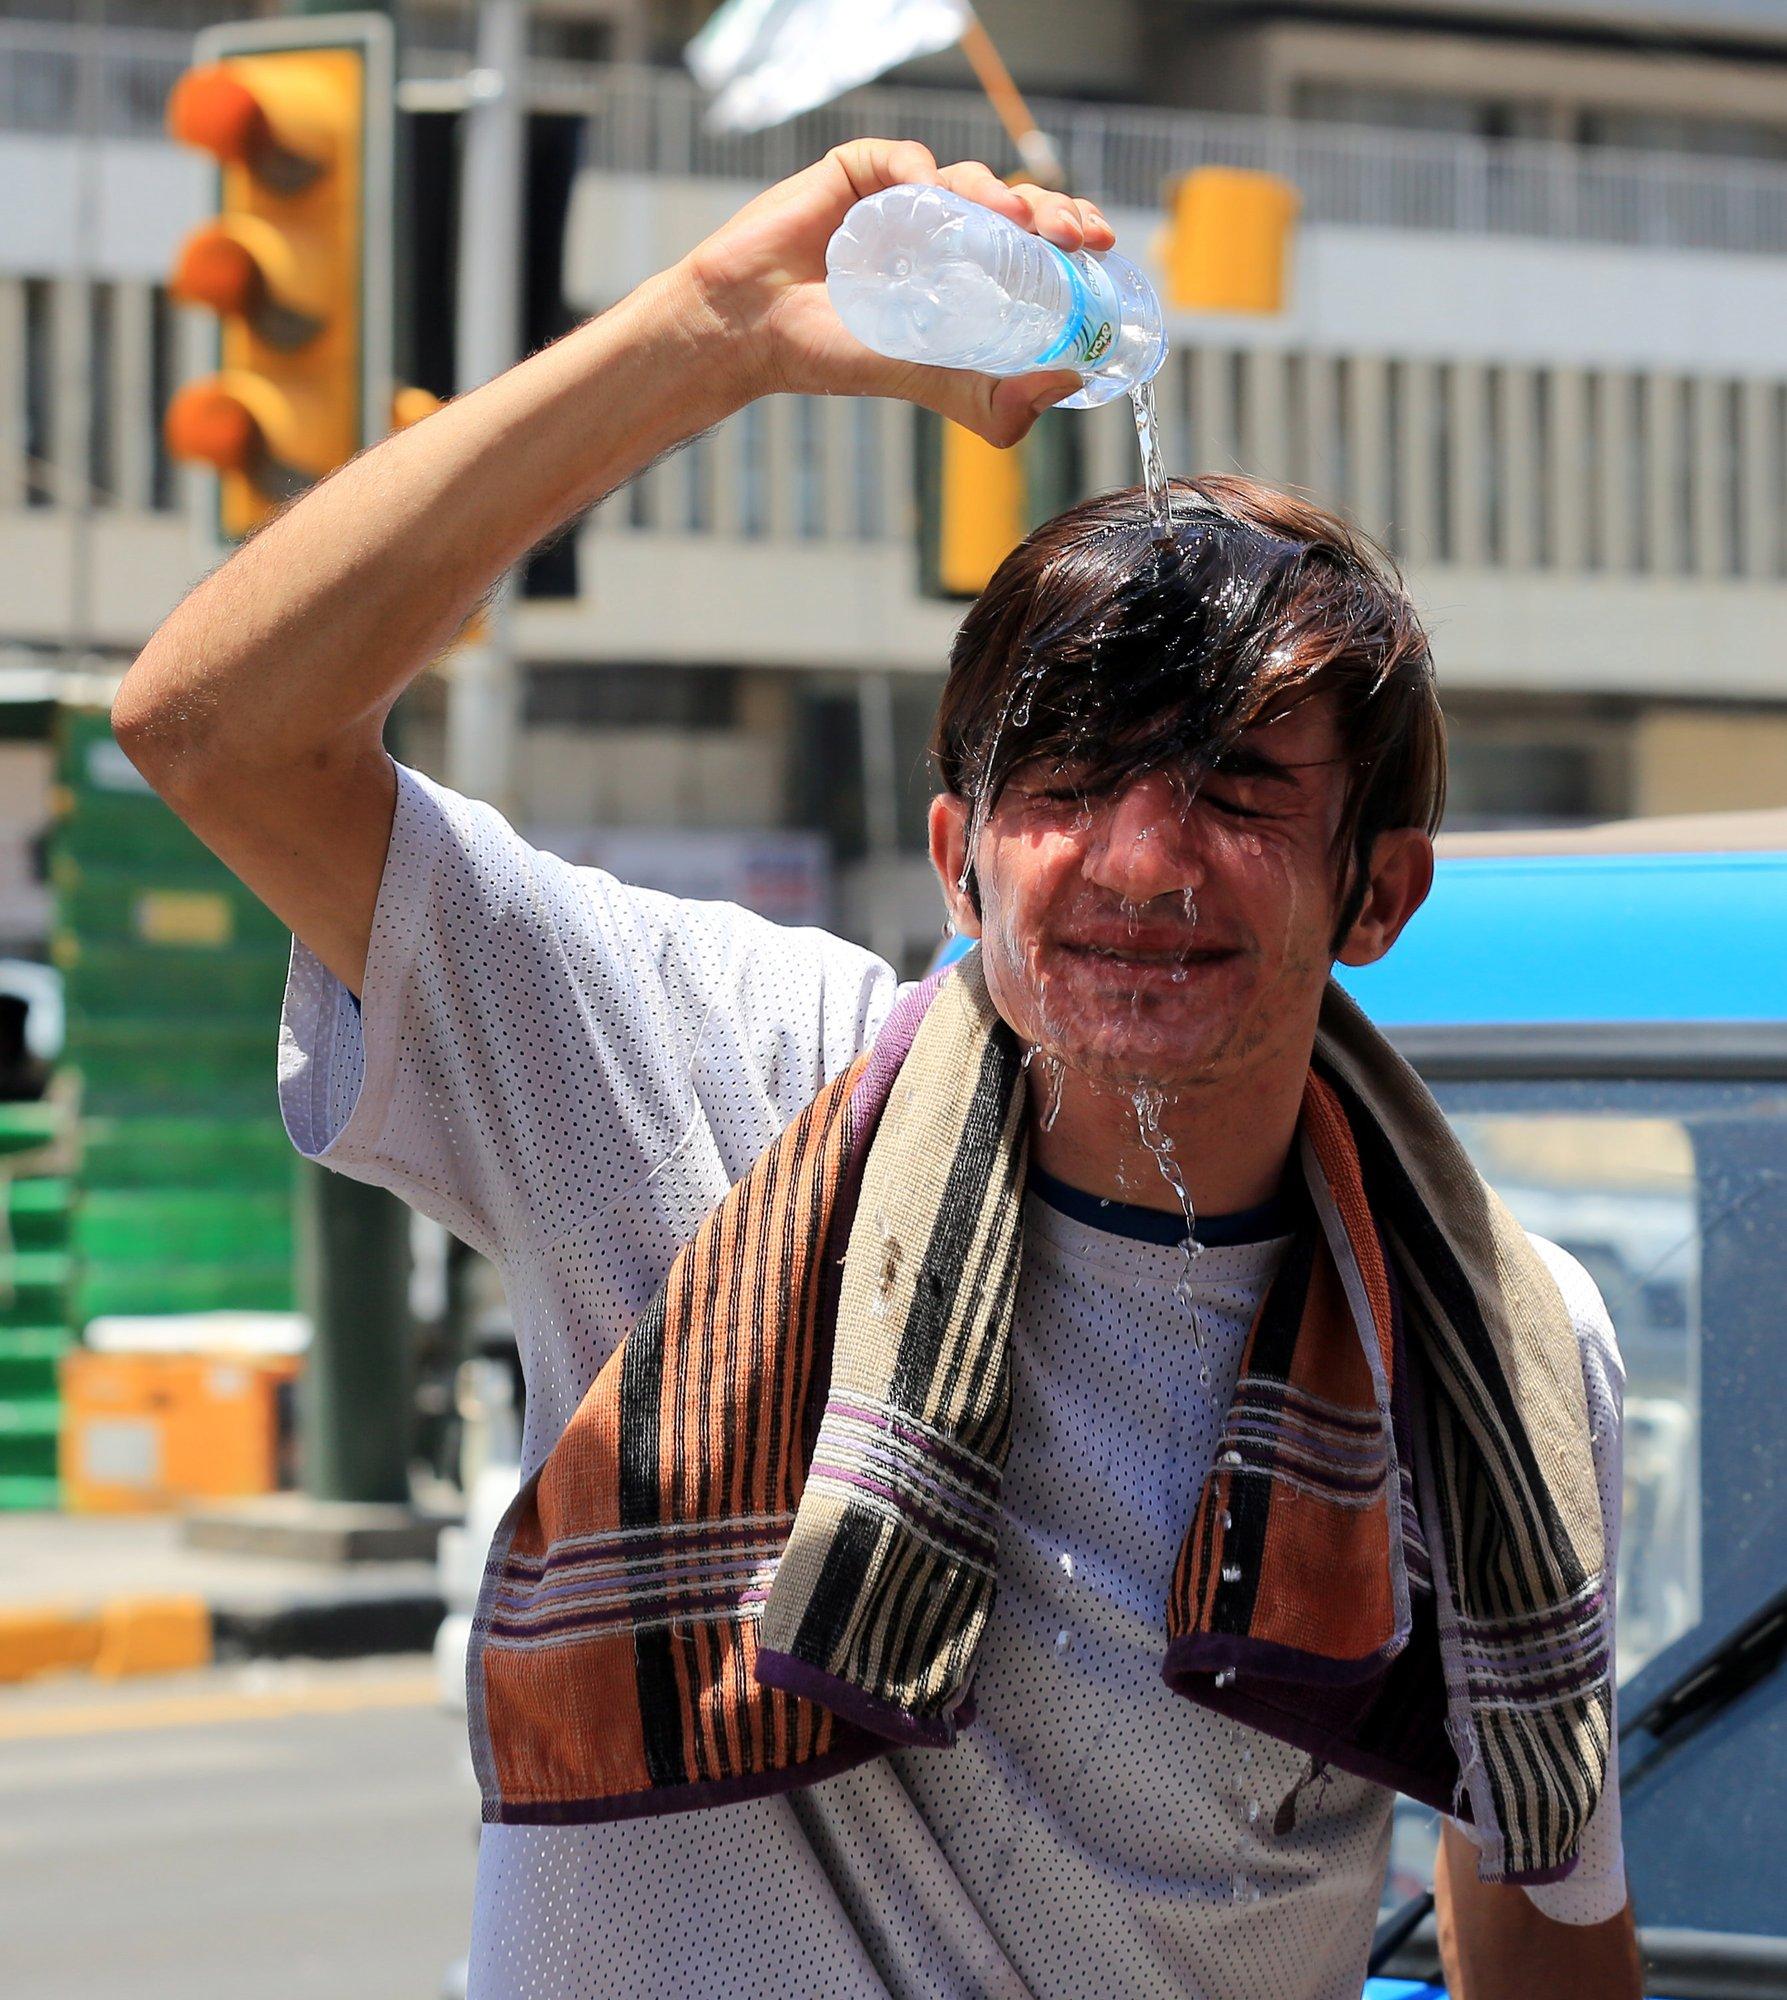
x=297, y=263
x=1227, y=242
x=977, y=501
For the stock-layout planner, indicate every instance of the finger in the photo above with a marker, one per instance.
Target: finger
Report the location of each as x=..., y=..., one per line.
x=1038, y=391
x=1056, y=217
x=1000, y=409
x=1016, y=402
x=870, y=165
x=1099, y=233
x=978, y=182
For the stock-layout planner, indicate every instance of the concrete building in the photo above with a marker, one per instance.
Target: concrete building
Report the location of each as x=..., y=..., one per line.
x=1536, y=341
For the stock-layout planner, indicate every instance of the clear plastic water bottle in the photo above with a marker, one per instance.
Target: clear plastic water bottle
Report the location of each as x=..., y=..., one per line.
x=921, y=274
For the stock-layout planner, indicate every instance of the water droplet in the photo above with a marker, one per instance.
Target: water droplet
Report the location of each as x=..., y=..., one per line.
x=1231, y=1572
x=1230, y=1458
x=1225, y=1677
x=1228, y=1520
x=1067, y=1562
x=1238, y=1889
x=1061, y=1642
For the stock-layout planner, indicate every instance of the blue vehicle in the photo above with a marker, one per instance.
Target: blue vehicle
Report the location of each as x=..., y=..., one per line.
x=1603, y=1017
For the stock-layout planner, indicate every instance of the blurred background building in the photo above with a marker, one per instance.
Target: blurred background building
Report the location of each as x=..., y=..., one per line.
x=1535, y=339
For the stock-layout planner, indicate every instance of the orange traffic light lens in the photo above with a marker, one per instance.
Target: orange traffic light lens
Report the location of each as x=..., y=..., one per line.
x=214, y=109
x=215, y=270
x=207, y=424
x=411, y=405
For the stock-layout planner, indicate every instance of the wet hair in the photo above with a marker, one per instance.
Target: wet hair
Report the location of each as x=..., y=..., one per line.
x=1098, y=646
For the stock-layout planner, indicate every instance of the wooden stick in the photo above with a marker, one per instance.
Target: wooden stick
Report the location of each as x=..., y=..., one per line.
x=1034, y=147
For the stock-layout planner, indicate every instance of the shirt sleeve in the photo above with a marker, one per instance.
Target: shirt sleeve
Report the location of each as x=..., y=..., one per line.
x=536, y=1042
x=1596, y=1888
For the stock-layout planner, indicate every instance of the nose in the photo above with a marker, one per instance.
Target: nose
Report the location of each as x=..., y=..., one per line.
x=1144, y=843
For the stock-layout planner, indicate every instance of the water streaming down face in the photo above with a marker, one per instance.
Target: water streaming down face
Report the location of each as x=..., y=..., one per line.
x=1145, y=645
x=1054, y=1077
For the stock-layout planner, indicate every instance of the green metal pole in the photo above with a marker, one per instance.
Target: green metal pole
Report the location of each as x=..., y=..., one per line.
x=356, y=1403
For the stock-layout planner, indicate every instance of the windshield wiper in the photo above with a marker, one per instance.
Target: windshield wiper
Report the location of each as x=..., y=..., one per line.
x=1749, y=1653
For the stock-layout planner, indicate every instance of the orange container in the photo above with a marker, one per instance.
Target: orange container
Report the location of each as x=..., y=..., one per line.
x=143, y=1432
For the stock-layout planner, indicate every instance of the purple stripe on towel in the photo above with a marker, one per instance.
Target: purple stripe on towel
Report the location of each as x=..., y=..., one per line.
x=878, y=1457
x=956, y=1533
x=620, y=1619
x=966, y=1467
x=625, y=1544
x=1493, y=1631
x=1269, y=1389
x=600, y=1586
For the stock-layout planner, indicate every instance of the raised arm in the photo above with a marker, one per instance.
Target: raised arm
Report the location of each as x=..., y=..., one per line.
x=256, y=709
x=1496, y=1945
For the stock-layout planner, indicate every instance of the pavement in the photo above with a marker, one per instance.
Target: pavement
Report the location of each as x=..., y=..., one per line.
x=300, y=1829
x=117, y=1595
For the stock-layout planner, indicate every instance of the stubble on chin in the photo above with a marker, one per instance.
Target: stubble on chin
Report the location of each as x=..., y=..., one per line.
x=1124, y=1051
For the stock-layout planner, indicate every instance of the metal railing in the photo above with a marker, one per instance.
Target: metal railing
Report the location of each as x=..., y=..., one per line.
x=649, y=121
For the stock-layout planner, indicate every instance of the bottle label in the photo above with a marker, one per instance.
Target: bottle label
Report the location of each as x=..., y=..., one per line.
x=1093, y=318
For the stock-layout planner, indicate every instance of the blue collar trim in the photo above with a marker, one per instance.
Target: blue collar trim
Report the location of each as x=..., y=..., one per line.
x=1276, y=1217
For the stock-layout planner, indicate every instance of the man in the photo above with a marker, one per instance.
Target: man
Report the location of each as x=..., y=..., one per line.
x=571, y=1075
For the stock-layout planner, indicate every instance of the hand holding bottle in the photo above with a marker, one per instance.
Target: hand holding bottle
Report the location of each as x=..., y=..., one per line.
x=762, y=277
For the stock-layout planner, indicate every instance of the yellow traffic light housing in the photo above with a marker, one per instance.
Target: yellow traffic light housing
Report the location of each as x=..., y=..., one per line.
x=982, y=510
x=977, y=501
x=297, y=264
x=1227, y=243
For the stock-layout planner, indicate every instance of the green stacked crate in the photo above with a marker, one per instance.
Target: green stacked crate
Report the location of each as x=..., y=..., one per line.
x=173, y=973
x=34, y=1333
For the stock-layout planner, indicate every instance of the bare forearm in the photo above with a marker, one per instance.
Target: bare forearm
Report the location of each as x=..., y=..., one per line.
x=310, y=631
x=256, y=709
x=1497, y=1944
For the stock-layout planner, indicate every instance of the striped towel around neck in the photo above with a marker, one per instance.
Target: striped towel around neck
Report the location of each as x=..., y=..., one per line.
x=766, y=1547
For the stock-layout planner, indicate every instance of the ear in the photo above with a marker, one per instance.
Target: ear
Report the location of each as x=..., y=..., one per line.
x=949, y=856
x=1401, y=875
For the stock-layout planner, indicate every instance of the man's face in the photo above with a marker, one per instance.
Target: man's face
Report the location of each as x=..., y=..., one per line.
x=1155, y=936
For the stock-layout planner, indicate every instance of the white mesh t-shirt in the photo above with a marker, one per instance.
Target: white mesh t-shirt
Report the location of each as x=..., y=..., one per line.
x=569, y=1074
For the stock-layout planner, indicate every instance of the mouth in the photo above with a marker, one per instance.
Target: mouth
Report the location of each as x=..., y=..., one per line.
x=1138, y=955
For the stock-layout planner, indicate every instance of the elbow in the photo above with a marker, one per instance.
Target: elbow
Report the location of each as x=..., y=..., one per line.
x=153, y=723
